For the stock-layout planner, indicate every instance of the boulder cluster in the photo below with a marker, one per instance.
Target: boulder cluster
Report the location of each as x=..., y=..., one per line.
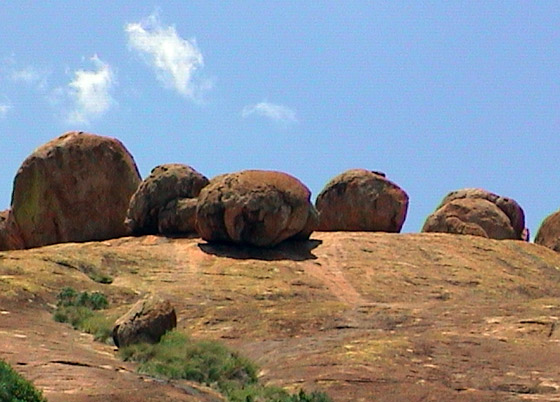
x=82, y=187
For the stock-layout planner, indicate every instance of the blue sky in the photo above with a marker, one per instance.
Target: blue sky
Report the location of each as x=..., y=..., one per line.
x=438, y=95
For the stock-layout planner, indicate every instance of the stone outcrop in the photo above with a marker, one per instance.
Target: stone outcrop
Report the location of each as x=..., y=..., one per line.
x=10, y=235
x=255, y=207
x=76, y=187
x=480, y=213
x=362, y=200
x=178, y=216
x=549, y=232
x=165, y=184
x=147, y=321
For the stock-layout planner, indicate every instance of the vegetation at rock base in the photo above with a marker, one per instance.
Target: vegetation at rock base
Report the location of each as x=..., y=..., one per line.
x=15, y=388
x=81, y=311
x=211, y=363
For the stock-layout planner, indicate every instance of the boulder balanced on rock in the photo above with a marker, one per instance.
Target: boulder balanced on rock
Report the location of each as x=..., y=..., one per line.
x=362, y=200
x=549, y=232
x=255, y=207
x=158, y=195
x=478, y=212
x=74, y=188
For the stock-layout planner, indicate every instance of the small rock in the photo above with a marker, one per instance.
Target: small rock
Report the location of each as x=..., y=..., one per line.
x=147, y=321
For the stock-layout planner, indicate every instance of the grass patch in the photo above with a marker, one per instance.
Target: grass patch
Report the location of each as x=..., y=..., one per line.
x=81, y=310
x=15, y=388
x=211, y=363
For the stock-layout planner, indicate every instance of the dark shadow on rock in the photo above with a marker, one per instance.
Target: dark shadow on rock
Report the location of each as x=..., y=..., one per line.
x=295, y=250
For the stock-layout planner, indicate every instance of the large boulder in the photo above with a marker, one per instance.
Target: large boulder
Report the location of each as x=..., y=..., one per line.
x=255, y=207
x=478, y=212
x=549, y=232
x=362, y=200
x=10, y=235
x=164, y=184
x=178, y=216
x=74, y=188
x=147, y=321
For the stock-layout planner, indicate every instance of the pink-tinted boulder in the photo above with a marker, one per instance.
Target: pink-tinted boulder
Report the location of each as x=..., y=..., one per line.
x=549, y=232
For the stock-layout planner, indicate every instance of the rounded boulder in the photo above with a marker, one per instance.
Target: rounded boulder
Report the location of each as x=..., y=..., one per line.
x=549, y=232
x=478, y=212
x=74, y=188
x=362, y=200
x=164, y=184
x=255, y=207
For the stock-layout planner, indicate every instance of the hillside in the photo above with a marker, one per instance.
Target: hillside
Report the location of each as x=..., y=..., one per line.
x=362, y=316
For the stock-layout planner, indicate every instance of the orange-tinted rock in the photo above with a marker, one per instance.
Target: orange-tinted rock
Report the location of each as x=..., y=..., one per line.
x=549, y=232
x=178, y=216
x=362, y=200
x=256, y=207
x=508, y=206
x=164, y=184
x=478, y=212
x=472, y=216
x=147, y=321
x=10, y=236
x=76, y=187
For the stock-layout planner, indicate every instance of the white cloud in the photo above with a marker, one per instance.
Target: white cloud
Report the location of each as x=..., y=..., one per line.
x=277, y=113
x=4, y=109
x=90, y=92
x=174, y=59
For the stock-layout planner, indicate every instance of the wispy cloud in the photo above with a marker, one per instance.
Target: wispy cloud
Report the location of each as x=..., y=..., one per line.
x=174, y=59
x=4, y=109
x=31, y=76
x=90, y=92
x=277, y=113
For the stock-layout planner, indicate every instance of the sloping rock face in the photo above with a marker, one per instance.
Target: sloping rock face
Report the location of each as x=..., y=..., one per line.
x=10, y=235
x=549, y=232
x=164, y=184
x=480, y=213
x=362, y=200
x=255, y=207
x=74, y=188
x=147, y=321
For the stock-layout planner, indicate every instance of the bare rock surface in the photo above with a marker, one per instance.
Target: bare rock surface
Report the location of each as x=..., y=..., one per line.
x=362, y=200
x=256, y=207
x=147, y=321
x=10, y=235
x=178, y=216
x=74, y=188
x=549, y=232
x=480, y=213
x=165, y=183
x=361, y=316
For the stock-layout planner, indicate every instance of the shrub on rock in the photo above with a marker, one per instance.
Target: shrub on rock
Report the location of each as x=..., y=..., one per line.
x=549, y=232
x=362, y=200
x=478, y=212
x=147, y=321
x=165, y=184
x=255, y=207
x=74, y=188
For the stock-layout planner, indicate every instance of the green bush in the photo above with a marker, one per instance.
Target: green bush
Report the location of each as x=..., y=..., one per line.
x=80, y=311
x=15, y=388
x=211, y=363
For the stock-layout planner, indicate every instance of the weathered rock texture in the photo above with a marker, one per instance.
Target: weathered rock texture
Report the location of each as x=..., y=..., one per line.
x=74, y=188
x=549, y=232
x=260, y=208
x=165, y=184
x=362, y=200
x=10, y=236
x=147, y=321
x=178, y=216
x=478, y=212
